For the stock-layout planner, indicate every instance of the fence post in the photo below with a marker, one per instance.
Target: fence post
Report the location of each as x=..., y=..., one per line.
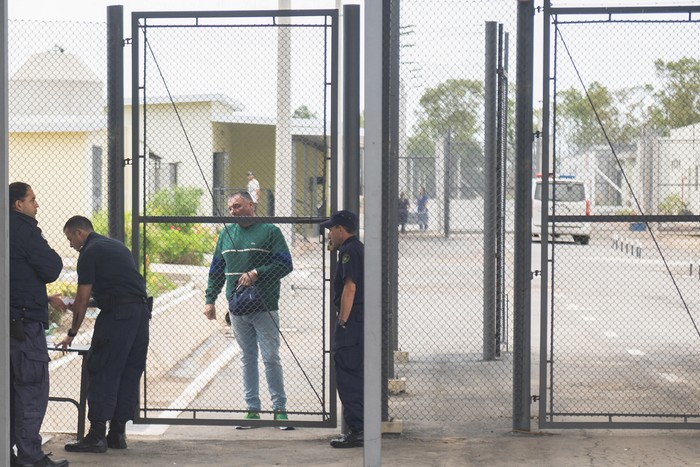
x=115, y=121
x=523, y=212
x=490, y=103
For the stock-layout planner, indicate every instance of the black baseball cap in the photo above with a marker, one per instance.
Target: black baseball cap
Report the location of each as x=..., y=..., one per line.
x=345, y=218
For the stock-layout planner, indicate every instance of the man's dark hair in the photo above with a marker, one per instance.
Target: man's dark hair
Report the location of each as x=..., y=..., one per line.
x=18, y=190
x=242, y=194
x=78, y=222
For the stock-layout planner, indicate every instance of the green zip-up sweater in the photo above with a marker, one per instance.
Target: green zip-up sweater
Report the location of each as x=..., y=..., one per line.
x=241, y=249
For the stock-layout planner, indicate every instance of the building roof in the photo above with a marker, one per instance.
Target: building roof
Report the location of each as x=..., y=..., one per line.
x=55, y=64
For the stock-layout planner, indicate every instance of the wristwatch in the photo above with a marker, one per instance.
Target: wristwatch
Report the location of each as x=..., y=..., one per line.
x=71, y=333
x=342, y=323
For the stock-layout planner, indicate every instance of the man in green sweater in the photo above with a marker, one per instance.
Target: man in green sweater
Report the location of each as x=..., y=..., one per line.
x=247, y=254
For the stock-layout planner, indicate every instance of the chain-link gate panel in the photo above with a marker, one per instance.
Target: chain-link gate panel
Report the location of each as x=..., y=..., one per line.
x=237, y=112
x=444, y=330
x=619, y=239
x=58, y=145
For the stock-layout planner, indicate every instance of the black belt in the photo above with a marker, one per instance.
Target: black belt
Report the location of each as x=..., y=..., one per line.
x=128, y=299
x=112, y=301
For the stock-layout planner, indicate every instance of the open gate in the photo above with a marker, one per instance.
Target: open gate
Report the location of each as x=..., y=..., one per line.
x=220, y=99
x=619, y=334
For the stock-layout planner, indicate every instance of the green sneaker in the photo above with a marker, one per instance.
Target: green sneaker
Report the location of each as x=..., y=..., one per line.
x=251, y=416
x=282, y=417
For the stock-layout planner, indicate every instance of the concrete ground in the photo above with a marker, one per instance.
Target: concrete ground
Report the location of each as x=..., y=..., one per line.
x=226, y=446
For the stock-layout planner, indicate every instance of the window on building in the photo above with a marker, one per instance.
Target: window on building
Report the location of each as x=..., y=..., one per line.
x=172, y=174
x=154, y=176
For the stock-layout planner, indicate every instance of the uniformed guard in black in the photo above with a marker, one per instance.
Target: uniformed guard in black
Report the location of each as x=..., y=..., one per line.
x=117, y=356
x=348, y=342
x=33, y=264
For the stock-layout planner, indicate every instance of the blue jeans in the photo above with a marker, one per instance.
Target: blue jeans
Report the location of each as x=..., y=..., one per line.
x=253, y=330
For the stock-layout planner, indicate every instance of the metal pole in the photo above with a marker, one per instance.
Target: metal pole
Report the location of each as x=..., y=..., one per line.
x=500, y=195
x=392, y=86
x=351, y=107
x=523, y=212
x=490, y=112
x=447, y=147
x=4, y=249
x=115, y=121
x=374, y=149
x=135, y=140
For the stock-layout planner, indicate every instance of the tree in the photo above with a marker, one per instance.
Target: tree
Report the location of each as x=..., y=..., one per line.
x=678, y=102
x=454, y=105
x=304, y=112
x=620, y=113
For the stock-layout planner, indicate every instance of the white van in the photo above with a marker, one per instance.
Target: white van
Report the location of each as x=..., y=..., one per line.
x=571, y=200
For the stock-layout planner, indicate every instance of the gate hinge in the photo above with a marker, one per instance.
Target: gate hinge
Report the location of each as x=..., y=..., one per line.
x=536, y=272
x=127, y=41
x=127, y=161
x=535, y=398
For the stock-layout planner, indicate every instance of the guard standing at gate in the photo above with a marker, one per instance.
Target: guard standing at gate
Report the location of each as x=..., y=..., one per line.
x=33, y=264
x=348, y=342
x=117, y=355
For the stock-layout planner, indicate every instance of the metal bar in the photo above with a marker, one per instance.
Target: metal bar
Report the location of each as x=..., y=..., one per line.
x=490, y=155
x=194, y=14
x=115, y=121
x=232, y=219
x=390, y=194
x=335, y=75
x=621, y=218
x=522, y=260
x=135, y=137
x=4, y=245
x=622, y=425
x=374, y=150
x=351, y=108
x=622, y=10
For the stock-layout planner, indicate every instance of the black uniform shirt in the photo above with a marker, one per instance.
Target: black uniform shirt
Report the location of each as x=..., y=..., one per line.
x=33, y=264
x=351, y=263
x=107, y=264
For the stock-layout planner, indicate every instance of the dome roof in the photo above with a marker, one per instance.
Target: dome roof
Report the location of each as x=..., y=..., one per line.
x=55, y=64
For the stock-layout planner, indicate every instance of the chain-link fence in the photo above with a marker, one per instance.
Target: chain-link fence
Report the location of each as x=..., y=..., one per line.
x=212, y=115
x=58, y=145
x=622, y=311
x=208, y=114
x=453, y=360
x=253, y=117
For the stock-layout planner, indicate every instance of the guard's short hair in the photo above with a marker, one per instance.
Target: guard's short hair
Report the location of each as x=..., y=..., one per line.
x=78, y=222
x=18, y=190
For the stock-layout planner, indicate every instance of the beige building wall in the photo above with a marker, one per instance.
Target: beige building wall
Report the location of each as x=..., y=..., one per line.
x=58, y=166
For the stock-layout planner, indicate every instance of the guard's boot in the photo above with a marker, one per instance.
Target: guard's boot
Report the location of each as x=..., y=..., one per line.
x=94, y=441
x=116, y=438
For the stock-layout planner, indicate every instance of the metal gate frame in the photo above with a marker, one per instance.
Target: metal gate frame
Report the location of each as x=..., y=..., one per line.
x=139, y=221
x=546, y=417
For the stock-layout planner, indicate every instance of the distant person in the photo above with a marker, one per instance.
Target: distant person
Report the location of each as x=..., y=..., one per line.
x=422, y=208
x=348, y=335
x=107, y=272
x=254, y=190
x=247, y=254
x=33, y=264
x=403, y=211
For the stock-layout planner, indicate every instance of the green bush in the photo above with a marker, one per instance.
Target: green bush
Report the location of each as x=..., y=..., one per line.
x=175, y=244
x=674, y=205
x=184, y=243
